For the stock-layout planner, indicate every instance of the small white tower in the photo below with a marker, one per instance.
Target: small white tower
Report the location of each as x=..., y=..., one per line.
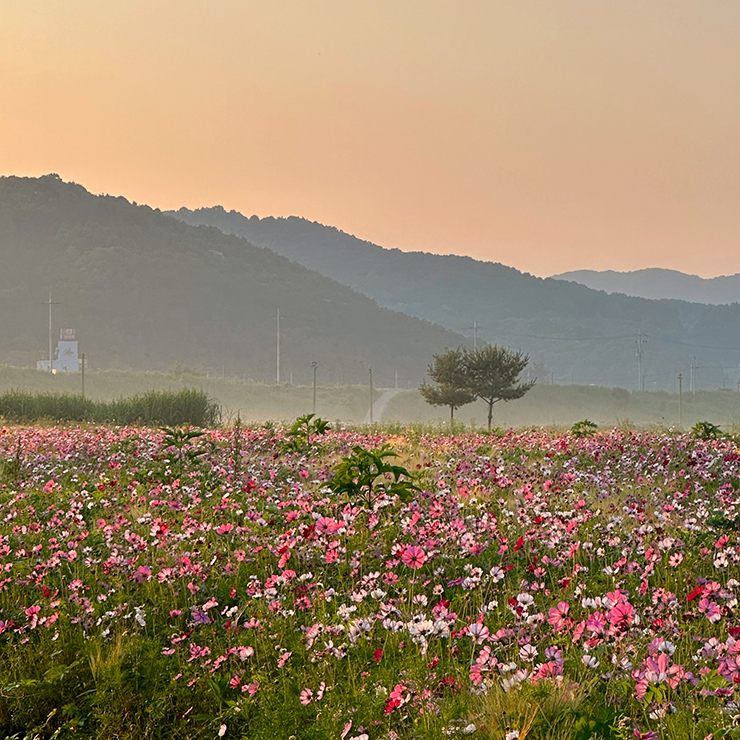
x=67, y=359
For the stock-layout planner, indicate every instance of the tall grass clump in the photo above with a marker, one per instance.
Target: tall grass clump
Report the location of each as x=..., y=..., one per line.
x=188, y=406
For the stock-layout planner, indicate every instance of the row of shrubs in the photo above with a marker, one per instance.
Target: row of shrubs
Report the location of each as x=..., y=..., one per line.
x=704, y=430
x=167, y=408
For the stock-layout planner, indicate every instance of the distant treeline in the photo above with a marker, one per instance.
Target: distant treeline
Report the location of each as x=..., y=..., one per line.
x=152, y=408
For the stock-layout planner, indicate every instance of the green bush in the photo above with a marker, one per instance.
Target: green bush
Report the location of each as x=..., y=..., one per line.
x=585, y=428
x=365, y=473
x=705, y=430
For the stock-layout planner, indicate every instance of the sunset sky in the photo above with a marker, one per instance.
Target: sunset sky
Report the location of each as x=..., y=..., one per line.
x=548, y=135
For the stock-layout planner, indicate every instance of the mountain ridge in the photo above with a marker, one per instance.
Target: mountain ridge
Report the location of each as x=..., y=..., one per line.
x=657, y=283
x=573, y=332
x=147, y=291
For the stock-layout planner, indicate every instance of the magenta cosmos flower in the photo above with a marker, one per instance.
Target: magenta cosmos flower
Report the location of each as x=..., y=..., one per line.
x=414, y=556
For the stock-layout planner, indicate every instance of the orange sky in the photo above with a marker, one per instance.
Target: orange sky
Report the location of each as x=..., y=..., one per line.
x=548, y=135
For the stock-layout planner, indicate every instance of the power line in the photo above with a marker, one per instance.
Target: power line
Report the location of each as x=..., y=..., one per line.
x=691, y=344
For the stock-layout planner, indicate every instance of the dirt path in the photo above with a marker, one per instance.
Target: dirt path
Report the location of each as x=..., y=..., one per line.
x=380, y=405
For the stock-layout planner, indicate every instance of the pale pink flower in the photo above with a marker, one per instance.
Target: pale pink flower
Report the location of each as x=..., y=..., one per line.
x=479, y=632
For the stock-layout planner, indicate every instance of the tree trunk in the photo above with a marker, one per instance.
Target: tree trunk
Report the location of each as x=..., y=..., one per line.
x=452, y=413
x=490, y=414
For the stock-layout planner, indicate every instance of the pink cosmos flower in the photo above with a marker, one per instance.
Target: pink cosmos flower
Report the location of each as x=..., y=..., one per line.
x=476, y=675
x=329, y=525
x=32, y=614
x=551, y=669
x=622, y=615
x=558, y=616
x=243, y=652
x=414, y=557
x=306, y=697
x=596, y=623
x=710, y=609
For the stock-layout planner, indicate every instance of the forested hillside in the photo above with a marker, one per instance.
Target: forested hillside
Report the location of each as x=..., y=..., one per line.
x=575, y=334
x=146, y=291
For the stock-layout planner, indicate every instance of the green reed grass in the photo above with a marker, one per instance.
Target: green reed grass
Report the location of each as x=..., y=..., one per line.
x=187, y=406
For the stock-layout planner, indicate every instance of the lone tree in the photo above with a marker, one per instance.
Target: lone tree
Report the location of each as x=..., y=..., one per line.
x=450, y=382
x=492, y=374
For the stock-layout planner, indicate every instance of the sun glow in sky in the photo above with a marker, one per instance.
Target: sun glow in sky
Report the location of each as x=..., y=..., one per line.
x=545, y=135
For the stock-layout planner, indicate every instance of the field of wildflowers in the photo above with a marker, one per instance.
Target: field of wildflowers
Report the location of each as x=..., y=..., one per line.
x=532, y=585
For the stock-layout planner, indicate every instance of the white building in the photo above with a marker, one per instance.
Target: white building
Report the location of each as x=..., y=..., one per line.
x=66, y=359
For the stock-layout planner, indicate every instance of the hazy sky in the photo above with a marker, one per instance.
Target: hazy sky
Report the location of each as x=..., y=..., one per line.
x=548, y=135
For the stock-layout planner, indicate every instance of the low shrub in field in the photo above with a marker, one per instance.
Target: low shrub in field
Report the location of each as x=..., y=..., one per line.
x=304, y=432
x=706, y=430
x=160, y=585
x=152, y=408
x=585, y=428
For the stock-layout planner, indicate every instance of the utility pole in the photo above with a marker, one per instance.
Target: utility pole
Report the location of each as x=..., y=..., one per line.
x=314, y=365
x=641, y=339
x=82, y=368
x=371, y=395
x=680, y=400
x=396, y=379
x=277, y=374
x=475, y=335
x=51, y=358
x=694, y=368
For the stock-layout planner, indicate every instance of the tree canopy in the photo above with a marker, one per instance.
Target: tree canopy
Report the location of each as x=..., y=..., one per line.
x=490, y=373
x=450, y=382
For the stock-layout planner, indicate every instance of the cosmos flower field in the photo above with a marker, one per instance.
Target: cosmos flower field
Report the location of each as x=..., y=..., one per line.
x=533, y=585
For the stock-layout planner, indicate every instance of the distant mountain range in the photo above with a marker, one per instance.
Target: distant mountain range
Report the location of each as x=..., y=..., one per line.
x=657, y=283
x=574, y=334
x=146, y=291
